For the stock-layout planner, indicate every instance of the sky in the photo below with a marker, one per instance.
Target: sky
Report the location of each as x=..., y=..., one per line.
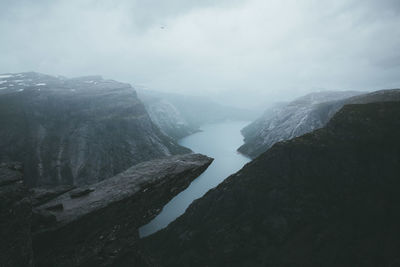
x=243, y=52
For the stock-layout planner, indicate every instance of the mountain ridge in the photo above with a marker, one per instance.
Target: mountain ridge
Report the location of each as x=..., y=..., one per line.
x=75, y=131
x=301, y=116
x=326, y=198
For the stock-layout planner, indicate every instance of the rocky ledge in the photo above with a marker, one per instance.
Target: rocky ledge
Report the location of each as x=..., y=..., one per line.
x=97, y=225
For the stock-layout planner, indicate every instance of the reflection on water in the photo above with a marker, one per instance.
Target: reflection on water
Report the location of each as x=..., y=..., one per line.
x=218, y=141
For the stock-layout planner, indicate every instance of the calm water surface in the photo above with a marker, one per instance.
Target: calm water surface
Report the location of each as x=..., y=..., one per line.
x=218, y=141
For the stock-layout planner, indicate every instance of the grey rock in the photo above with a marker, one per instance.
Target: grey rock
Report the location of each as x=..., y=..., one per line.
x=301, y=116
x=75, y=131
x=40, y=195
x=101, y=228
x=42, y=219
x=10, y=173
x=168, y=118
x=80, y=192
x=55, y=207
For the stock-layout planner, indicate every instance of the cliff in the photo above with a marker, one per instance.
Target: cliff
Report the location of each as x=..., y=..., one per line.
x=88, y=226
x=301, y=116
x=75, y=131
x=167, y=117
x=97, y=225
x=327, y=198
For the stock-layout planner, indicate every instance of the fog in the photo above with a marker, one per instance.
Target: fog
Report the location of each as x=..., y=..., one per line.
x=243, y=52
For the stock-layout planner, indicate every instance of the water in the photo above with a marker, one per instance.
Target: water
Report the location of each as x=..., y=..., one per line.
x=218, y=141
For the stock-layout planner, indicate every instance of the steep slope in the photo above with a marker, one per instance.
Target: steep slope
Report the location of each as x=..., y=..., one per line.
x=97, y=225
x=167, y=117
x=75, y=131
x=284, y=122
x=194, y=110
x=94, y=225
x=327, y=198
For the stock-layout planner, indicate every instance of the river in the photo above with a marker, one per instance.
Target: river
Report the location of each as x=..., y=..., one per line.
x=218, y=141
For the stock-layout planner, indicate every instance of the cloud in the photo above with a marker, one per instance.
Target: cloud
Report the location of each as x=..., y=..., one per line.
x=273, y=49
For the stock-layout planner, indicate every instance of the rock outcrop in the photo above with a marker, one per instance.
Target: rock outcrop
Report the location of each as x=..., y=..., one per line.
x=285, y=121
x=75, y=131
x=97, y=225
x=15, y=218
x=327, y=198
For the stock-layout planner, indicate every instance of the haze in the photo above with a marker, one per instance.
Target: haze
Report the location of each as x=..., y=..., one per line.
x=243, y=52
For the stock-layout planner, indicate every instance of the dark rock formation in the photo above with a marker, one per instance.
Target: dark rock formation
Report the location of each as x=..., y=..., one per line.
x=301, y=116
x=75, y=131
x=98, y=224
x=327, y=198
x=15, y=218
x=42, y=195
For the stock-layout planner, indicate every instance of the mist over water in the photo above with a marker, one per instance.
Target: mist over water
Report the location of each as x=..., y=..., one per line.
x=218, y=141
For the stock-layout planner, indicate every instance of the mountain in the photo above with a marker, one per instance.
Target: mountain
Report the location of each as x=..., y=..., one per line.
x=97, y=225
x=327, y=198
x=94, y=225
x=188, y=112
x=167, y=117
x=301, y=116
x=285, y=121
x=75, y=131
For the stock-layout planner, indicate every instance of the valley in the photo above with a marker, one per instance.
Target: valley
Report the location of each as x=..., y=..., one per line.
x=219, y=141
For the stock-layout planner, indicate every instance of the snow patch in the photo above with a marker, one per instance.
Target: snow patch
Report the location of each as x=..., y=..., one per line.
x=2, y=88
x=40, y=84
x=20, y=90
x=1, y=82
x=4, y=76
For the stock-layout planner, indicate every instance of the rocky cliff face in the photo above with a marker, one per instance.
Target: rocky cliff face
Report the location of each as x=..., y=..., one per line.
x=303, y=116
x=98, y=225
x=327, y=198
x=94, y=225
x=15, y=218
x=75, y=131
x=167, y=117
x=286, y=121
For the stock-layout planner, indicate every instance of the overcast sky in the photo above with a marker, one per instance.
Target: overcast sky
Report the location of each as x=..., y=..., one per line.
x=276, y=49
